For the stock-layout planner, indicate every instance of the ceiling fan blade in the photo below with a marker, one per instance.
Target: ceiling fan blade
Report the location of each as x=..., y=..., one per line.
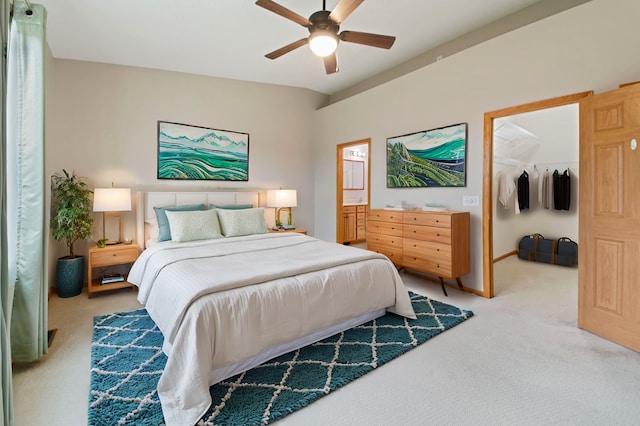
x=286, y=49
x=344, y=9
x=375, y=40
x=284, y=12
x=330, y=63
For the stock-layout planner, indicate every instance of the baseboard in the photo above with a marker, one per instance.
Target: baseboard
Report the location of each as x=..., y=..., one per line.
x=504, y=256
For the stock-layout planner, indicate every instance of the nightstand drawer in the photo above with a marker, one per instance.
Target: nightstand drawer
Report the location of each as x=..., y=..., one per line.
x=113, y=257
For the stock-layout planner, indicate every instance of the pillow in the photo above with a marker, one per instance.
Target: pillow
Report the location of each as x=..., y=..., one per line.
x=235, y=223
x=163, y=223
x=193, y=225
x=232, y=206
x=151, y=229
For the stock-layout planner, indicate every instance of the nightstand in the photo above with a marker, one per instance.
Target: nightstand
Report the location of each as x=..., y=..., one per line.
x=298, y=230
x=119, y=254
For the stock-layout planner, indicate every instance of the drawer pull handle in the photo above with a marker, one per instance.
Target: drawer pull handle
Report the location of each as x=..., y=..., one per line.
x=438, y=234
x=437, y=221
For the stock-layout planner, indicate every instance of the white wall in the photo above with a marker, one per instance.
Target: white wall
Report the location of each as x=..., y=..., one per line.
x=102, y=124
x=589, y=47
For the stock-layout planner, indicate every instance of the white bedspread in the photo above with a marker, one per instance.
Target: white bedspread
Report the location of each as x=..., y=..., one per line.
x=219, y=302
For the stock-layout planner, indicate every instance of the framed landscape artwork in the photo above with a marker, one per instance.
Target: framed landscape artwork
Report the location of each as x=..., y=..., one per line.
x=201, y=153
x=431, y=158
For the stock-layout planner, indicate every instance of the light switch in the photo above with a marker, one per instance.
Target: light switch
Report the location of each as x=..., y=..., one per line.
x=471, y=200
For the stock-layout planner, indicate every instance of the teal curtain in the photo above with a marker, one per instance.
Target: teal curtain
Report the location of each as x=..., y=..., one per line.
x=27, y=227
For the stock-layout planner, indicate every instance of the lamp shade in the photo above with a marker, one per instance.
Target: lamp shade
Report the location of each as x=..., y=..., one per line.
x=282, y=198
x=111, y=199
x=323, y=43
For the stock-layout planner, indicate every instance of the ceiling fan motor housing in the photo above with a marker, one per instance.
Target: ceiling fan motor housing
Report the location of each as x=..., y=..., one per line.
x=320, y=21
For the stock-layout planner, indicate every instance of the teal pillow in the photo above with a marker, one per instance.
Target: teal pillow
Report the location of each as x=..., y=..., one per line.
x=164, y=233
x=232, y=206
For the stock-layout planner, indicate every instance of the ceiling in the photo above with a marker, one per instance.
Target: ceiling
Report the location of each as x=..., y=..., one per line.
x=229, y=38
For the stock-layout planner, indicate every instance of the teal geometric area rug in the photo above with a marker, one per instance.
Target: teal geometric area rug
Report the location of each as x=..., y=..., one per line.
x=127, y=361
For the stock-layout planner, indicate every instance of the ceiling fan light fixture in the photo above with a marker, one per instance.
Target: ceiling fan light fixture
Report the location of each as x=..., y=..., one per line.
x=323, y=43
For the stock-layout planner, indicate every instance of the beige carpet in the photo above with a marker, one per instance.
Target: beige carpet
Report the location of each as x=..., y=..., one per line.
x=520, y=360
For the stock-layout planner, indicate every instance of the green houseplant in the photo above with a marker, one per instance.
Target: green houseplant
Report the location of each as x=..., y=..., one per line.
x=71, y=221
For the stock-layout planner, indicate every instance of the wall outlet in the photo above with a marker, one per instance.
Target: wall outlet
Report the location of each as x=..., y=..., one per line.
x=471, y=200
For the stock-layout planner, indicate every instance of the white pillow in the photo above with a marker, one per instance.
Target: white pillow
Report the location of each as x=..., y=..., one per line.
x=193, y=225
x=235, y=223
x=152, y=229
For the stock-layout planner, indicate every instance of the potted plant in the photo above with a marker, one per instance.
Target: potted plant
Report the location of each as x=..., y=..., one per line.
x=71, y=221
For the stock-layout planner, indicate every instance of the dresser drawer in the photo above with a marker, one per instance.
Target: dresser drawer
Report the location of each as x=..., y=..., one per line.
x=441, y=269
x=348, y=209
x=394, y=254
x=428, y=219
x=115, y=257
x=428, y=233
x=435, y=252
x=386, y=215
x=390, y=241
x=361, y=209
x=386, y=228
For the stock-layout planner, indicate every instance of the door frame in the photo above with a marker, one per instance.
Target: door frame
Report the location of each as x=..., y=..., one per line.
x=339, y=182
x=487, y=178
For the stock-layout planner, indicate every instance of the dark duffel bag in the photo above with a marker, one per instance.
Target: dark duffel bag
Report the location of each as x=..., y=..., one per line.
x=536, y=248
x=567, y=252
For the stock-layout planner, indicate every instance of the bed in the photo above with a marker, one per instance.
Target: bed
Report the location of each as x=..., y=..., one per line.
x=243, y=295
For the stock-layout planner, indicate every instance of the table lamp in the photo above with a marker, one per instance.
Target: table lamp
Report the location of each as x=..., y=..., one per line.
x=112, y=201
x=282, y=199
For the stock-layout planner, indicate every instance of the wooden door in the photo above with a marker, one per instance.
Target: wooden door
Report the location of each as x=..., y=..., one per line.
x=609, y=254
x=349, y=226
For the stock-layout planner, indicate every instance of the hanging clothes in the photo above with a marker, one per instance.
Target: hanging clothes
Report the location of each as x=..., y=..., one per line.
x=523, y=191
x=507, y=189
x=545, y=190
x=561, y=190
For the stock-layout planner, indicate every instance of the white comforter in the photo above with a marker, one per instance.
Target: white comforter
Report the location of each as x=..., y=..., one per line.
x=219, y=302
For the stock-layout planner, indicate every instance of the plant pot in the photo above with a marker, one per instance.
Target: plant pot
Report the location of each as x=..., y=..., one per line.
x=70, y=276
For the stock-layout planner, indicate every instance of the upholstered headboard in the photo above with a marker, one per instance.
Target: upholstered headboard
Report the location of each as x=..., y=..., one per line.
x=148, y=200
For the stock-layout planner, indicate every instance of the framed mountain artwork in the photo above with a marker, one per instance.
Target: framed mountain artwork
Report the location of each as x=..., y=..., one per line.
x=426, y=159
x=188, y=152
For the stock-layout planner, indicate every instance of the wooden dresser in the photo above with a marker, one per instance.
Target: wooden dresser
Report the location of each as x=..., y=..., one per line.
x=436, y=243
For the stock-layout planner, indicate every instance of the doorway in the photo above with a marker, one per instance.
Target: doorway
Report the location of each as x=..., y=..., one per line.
x=488, y=171
x=352, y=190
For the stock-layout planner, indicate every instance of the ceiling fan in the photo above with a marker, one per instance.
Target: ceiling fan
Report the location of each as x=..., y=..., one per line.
x=323, y=27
